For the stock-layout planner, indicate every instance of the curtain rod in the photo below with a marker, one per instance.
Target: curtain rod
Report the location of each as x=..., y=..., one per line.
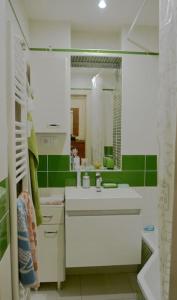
x=93, y=51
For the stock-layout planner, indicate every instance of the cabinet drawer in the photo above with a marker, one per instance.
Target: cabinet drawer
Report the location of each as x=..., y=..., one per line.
x=48, y=252
x=52, y=214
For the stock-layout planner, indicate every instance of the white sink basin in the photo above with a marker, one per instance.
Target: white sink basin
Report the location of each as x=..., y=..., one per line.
x=112, y=198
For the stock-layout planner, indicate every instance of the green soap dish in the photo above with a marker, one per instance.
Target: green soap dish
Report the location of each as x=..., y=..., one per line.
x=108, y=185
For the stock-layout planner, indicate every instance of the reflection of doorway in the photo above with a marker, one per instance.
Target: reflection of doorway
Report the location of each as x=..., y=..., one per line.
x=78, y=123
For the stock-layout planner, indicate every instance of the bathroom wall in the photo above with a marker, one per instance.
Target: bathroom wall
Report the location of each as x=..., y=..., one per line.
x=20, y=13
x=140, y=110
x=95, y=40
x=44, y=34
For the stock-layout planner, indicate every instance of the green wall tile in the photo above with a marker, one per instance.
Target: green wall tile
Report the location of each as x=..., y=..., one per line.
x=58, y=163
x=4, y=199
x=133, y=178
x=133, y=162
x=62, y=179
x=151, y=162
x=42, y=163
x=4, y=234
x=42, y=179
x=151, y=178
x=108, y=150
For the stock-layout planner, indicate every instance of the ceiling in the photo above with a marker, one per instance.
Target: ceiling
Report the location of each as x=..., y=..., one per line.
x=85, y=14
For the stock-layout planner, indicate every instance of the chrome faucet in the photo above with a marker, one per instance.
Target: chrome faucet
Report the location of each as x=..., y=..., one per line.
x=98, y=182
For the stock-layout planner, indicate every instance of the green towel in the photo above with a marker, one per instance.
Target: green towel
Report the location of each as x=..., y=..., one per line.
x=33, y=165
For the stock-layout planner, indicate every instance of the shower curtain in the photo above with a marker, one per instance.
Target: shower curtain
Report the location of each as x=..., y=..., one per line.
x=167, y=133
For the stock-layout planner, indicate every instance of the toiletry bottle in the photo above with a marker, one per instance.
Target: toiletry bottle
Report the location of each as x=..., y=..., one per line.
x=86, y=181
x=78, y=178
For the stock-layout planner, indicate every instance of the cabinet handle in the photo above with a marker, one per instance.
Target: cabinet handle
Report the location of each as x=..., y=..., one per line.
x=50, y=233
x=48, y=218
x=54, y=124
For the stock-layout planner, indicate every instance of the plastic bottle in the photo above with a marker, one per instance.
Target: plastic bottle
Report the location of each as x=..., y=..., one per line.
x=86, y=181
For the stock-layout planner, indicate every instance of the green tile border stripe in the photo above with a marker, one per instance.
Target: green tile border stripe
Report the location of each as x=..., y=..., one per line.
x=4, y=234
x=94, y=51
x=134, y=171
x=4, y=201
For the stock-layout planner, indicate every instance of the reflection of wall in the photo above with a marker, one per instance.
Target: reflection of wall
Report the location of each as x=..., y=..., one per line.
x=108, y=117
x=82, y=79
x=79, y=101
x=95, y=40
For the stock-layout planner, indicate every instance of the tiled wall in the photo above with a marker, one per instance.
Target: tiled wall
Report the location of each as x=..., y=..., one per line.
x=137, y=170
x=4, y=217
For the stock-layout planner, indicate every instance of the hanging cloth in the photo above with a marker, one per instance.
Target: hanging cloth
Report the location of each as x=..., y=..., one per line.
x=27, y=252
x=33, y=165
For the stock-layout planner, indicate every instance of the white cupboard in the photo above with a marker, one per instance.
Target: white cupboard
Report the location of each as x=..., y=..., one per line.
x=50, y=80
x=51, y=244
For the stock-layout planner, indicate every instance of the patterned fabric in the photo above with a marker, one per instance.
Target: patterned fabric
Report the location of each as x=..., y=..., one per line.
x=26, y=242
x=31, y=223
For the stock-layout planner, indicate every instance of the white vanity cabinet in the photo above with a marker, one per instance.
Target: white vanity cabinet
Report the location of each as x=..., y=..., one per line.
x=102, y=228
x=50, y=81
x=51, y=244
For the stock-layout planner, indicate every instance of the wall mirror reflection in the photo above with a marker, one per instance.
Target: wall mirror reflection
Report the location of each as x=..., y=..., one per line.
x=96, y=88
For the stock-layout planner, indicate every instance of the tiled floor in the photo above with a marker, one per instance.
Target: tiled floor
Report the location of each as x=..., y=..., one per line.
x=92, y=287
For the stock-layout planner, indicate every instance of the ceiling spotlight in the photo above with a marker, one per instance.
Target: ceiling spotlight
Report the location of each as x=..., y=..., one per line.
x=102, y=4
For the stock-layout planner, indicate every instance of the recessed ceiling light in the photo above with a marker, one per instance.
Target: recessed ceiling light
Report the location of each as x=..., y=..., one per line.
x=102, y=4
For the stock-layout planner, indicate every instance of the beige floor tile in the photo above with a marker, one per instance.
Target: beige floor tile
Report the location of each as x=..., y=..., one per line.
x=93, y=284
x=70, y=291
x=118, y=284
x=133, y=281
x=110, y=297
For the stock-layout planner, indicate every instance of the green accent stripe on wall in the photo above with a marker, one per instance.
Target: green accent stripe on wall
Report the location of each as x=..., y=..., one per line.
x=133, y=162
x=61, y=179
x=4, y=200
x=58, y=162
x=137, y=170
x=94, y=51
x=4, y=234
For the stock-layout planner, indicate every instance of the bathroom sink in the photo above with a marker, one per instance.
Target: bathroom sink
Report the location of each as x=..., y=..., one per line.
x=112, y=198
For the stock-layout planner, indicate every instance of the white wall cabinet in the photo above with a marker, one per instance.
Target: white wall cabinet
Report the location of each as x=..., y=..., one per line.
x=50, y=81
x=51, y=244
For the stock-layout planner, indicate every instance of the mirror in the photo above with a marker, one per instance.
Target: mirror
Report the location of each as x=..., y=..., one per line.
x=96, y=111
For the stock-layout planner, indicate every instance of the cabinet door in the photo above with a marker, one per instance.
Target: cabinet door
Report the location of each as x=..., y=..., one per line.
x=103, y=240
x=50, y=82
x=48, y=252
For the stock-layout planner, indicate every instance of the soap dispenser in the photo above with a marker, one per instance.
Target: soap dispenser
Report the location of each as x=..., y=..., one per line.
x=86, y=181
